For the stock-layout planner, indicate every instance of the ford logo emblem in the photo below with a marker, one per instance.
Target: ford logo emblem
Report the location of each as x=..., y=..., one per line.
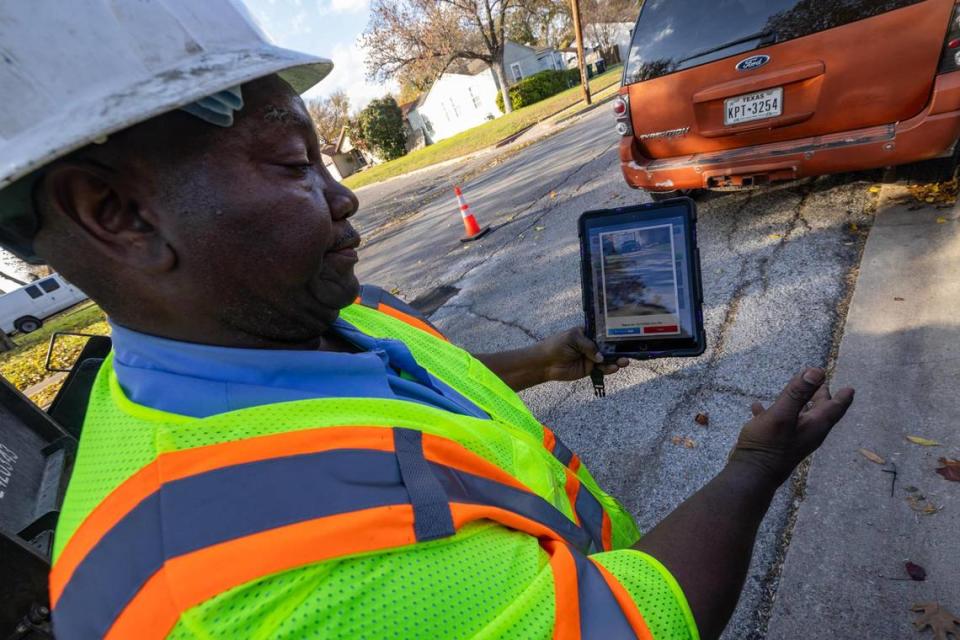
x=753, y=62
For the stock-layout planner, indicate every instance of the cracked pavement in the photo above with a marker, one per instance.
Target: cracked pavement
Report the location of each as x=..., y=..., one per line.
x=776, y=265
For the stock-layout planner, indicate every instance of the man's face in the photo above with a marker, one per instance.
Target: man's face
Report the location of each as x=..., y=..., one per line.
x=259, y=227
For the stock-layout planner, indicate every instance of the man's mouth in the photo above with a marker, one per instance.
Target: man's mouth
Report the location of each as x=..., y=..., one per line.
x=346, y=246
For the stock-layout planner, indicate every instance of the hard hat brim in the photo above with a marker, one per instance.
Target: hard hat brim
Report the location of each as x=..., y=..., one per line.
x=86, y=121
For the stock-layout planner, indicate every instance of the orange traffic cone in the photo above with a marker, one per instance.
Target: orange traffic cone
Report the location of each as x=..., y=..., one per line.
x=470, y=226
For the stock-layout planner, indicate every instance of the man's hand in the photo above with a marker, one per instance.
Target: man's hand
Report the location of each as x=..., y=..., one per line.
x=571, y=355
x=795, y=425
x=707, y=541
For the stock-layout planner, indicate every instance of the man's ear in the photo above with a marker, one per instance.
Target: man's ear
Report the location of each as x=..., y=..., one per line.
x=109, y=216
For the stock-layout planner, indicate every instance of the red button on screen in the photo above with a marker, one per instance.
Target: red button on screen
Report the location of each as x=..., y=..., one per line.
x=668, y=328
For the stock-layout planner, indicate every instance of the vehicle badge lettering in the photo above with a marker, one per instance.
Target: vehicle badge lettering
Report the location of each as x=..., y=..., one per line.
x=753, y=62
x=671, y=133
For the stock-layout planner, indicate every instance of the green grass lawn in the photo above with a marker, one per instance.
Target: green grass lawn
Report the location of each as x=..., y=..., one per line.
x=481, y=136
x=24, y=366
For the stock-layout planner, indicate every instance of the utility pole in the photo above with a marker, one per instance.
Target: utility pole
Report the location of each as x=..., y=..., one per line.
x=578, y=31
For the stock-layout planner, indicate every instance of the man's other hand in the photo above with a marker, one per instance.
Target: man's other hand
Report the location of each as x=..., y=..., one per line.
x=571, y=355
x=795, y=425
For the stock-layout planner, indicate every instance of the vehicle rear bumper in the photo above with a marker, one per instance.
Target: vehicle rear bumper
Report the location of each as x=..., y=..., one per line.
x=926, y=135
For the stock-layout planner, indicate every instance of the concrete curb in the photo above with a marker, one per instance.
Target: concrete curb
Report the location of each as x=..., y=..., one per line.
x=844, y=572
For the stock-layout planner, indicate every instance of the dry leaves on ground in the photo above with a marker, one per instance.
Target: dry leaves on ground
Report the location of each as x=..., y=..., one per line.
x=924, y=442
x=872, y=457
x=936, y=192
x=686, y=442
x=941, y=621
x=949, y=469
x=702, y=419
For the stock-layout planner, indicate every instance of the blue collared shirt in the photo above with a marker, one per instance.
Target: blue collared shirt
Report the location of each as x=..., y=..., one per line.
x=202, y=380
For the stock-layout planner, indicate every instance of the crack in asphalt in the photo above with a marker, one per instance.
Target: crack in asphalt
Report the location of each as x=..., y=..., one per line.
x=507, y=323
x=650, y=462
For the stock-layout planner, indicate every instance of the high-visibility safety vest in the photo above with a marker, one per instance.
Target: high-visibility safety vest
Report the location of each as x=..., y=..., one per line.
x=348, y=518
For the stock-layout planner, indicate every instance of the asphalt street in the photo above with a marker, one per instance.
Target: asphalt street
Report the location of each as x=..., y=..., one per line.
x=777, y=267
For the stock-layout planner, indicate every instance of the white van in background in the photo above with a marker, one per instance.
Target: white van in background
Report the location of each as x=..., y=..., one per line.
x=26, y=308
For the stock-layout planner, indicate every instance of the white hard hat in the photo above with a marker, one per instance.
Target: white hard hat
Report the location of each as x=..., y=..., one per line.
x=74, y=72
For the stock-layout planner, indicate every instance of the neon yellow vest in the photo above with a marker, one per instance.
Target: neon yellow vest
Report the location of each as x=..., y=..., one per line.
x=228, y=525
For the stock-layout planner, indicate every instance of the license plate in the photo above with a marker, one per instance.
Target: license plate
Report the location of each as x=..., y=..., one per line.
x=753, y=106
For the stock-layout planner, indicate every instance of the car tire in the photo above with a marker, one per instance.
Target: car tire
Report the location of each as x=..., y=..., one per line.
x=660, y=196
x=27, y=324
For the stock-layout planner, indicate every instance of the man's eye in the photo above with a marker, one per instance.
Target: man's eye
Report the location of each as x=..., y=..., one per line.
x=299, y=168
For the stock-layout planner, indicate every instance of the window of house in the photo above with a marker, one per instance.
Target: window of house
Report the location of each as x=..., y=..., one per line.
x=49, y=285
x=517, y=72
x=33, y=291
x=474, y=97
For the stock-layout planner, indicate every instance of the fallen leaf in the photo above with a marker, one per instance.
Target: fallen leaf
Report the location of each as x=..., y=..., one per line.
x=872, y=457
x=539, y=228
x=677, y=440
x=921, y=504
x=775, y=236
x=915, y=571
x=874, y=189
x=685, y=442
x=854, y=226
x=930, y=200
x=941, y=621
x=899, y=299
x=553, y=194
x=924, y=442
x=702, y=419
x=395, y=291
x=950, y=469
x=941, y=220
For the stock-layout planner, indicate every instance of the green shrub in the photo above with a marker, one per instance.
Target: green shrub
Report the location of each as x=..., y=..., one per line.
x=539, y=86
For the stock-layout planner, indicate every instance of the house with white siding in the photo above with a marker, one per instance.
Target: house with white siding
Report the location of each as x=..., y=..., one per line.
x=464, y=96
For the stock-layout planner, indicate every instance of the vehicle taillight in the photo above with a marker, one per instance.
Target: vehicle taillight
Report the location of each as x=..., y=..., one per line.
x=621, y=109
x=950, y=61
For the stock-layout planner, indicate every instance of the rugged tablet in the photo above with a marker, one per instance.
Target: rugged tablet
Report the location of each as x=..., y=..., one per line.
x=642, y=295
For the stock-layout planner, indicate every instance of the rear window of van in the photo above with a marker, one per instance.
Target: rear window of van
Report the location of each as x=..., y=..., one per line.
x=673, y=35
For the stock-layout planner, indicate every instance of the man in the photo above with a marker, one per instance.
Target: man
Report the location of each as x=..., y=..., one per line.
x=274, y=451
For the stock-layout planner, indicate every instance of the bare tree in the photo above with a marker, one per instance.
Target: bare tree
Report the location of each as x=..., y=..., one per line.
x=544, y=23
x=419, y=39
x=330, y=115
x=602, y=18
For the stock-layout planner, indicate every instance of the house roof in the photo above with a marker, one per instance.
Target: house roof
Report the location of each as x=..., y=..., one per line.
x=407, y=107
x=333, y=149
x=467, y=67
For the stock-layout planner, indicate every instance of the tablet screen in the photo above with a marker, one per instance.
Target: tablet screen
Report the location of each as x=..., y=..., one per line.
x=641, y=280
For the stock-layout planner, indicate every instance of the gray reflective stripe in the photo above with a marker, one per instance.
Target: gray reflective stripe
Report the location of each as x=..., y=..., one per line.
x=371, y=296
x=601, y=617
x=432, y=518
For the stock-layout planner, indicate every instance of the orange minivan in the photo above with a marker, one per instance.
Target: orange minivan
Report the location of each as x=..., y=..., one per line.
x=730, y=94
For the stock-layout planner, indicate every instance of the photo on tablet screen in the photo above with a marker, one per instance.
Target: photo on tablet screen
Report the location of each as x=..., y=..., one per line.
x=638, y=281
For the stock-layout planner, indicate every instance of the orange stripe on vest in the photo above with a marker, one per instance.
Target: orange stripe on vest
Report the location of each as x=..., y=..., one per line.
x=205, y=573
x=629, y=607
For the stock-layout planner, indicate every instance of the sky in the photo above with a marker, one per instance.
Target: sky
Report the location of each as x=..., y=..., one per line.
x=327, y=28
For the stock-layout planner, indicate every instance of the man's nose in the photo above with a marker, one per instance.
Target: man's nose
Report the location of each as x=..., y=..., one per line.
x=342, y=202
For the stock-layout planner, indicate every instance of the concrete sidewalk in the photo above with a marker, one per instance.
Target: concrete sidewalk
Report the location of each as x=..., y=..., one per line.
x=844, y=573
